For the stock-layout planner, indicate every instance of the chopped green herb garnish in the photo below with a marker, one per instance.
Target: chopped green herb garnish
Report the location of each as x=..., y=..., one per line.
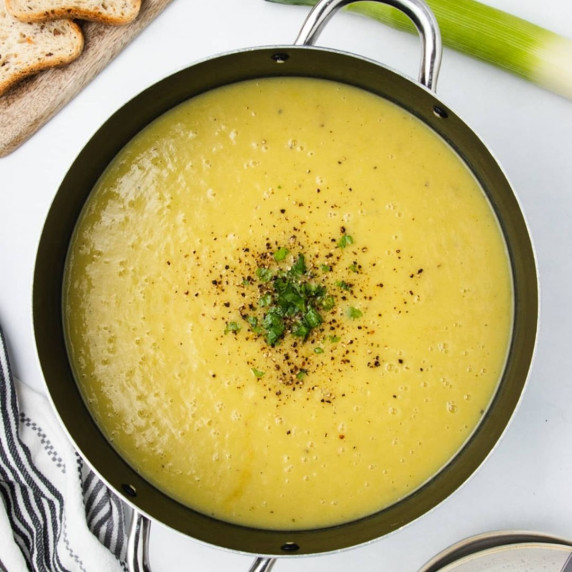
x=265, y=300
x=301, y=330
x=265, y=274
x=257, y=372
x=313, y=318
x=346, y=240
x=302, y=374
x=327, y=302
x=232, y=327
x=343, y=285
x=281, y=254
x=299, y=266
x=354, y=313
x=354, y=267
x=291, y=301
x=318, y=350
x=253, y=323
x=273, y=323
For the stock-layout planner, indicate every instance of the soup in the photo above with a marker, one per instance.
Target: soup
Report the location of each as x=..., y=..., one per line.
x=288, y=303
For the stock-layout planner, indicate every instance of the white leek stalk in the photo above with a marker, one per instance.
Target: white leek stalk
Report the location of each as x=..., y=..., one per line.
x=516, y=45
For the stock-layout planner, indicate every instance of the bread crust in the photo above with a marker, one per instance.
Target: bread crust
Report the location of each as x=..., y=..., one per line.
x=28, y=48
x=44, y=10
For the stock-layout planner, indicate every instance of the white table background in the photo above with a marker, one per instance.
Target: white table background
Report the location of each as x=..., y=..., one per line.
x=526, y=483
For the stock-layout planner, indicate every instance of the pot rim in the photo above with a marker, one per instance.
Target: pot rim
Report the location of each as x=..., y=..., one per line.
x=131, y=118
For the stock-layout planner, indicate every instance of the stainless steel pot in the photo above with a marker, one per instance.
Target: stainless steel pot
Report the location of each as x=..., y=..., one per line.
x=300, y=59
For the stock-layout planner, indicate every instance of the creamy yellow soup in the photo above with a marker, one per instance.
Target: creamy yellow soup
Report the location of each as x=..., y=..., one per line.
x=288, y=303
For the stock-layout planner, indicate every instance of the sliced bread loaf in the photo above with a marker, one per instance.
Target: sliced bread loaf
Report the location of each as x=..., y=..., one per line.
x=27, y=48
x=108, y=12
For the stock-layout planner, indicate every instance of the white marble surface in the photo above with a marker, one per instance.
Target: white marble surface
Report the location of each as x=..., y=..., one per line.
x=526, y=483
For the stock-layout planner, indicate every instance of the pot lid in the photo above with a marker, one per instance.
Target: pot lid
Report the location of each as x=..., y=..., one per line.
x=506, y=551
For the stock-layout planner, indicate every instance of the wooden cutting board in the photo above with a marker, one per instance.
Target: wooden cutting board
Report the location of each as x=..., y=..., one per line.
x=31, y=103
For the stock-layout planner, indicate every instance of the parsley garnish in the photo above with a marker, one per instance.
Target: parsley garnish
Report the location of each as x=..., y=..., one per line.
x=281, y=254
x=265, y=274
x=232, y=327
x=343, y=285
x=354, y=267
x=346, y=240
x=253, y=323
x=354, y=313
x=265, y=300
x=299, y=266
x=292, y=302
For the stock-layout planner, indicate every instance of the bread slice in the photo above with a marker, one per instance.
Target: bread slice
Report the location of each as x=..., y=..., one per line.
x=108, y=11
x=29, y=48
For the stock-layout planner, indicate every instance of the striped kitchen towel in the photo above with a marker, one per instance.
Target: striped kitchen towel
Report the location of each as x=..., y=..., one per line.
x=55, y=514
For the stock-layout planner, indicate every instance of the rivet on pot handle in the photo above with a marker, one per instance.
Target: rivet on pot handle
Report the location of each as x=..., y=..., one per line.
x=416, y=10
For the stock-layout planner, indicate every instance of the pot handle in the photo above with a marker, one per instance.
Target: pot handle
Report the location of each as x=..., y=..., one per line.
x=138, y=548
x=138, y=543
x=416, y=10
x=263, y=565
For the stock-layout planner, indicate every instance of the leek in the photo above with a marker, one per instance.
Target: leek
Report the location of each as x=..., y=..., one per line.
x=489, y=34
